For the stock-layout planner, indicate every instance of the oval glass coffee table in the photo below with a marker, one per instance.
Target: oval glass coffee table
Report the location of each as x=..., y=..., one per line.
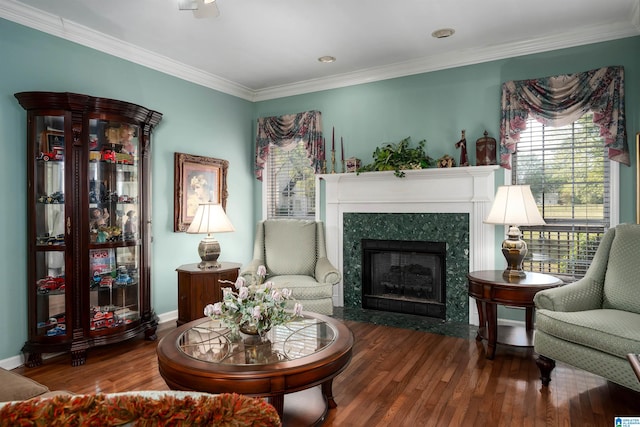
x=202, y=355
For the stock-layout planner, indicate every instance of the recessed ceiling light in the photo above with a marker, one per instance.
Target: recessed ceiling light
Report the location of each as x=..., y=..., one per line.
x=443, y=33
x=327, y=59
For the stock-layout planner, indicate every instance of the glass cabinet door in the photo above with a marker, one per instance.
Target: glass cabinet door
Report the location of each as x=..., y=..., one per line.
x=113, y=229
x=49, y=185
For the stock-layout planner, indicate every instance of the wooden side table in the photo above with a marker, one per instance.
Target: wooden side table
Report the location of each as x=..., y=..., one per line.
x=490, y=288
x=197, y=288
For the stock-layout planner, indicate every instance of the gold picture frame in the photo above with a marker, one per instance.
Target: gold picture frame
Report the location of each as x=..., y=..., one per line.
x=197, y=179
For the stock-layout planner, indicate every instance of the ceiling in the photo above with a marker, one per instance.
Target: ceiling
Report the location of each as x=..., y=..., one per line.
x=263, y=49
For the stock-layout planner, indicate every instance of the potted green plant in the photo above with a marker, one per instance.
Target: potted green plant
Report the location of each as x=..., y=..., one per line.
x=398, y=158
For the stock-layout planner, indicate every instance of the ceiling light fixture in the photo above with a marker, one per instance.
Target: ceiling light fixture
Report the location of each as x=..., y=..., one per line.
x=327, y=59
x=443, y=33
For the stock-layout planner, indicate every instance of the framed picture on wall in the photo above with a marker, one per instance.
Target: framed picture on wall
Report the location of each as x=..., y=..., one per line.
x=197, y=179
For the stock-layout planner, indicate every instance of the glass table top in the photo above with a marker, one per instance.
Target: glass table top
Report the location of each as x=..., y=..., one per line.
x=212, y=341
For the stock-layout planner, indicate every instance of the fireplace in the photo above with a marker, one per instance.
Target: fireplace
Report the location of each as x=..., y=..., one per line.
x=359, y=206
x=404, y=276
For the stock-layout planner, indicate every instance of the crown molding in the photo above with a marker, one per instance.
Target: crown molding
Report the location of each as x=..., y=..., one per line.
x=51, y=24
x=69, y=30
x=454, y=59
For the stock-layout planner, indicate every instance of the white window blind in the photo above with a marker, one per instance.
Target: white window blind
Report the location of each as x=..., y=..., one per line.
x=290, y=183
x=568, y=172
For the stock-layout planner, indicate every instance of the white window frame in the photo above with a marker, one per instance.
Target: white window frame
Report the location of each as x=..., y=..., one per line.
x=614, y=192
x=265, y=191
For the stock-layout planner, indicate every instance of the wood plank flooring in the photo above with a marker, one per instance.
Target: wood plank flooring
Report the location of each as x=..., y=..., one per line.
x=397, y=377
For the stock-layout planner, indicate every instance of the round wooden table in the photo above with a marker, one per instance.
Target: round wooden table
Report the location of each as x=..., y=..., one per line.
x=490, y=288
x=203, y=356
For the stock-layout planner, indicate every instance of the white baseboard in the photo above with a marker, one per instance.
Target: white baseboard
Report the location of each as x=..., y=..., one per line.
x=18, y=360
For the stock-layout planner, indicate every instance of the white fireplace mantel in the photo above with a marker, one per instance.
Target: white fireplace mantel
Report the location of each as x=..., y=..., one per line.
x=449, y=190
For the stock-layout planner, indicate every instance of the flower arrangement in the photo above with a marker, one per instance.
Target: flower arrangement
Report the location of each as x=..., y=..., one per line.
x=253, y=309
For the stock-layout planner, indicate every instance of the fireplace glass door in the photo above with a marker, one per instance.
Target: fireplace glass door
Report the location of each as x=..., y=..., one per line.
x=404, y=276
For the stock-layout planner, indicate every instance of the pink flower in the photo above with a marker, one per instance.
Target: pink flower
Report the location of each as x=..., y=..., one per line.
x=240, y=282
x=256, y=312
x=243, y=293
x=213, y=309
x=262, y=271
x=297, y=309
x=276, y=295
x=286, y=293
x=268, y=285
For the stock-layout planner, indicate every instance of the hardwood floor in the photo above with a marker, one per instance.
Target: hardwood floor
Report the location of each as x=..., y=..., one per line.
x=397, y=377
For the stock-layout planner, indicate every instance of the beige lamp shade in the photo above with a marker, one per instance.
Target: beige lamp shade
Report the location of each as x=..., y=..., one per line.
x=514, y=205
x=209, y=218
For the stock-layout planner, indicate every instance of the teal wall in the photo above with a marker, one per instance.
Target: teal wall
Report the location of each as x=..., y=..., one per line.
x=196, y=121
x=433, y=106
x=436, y=106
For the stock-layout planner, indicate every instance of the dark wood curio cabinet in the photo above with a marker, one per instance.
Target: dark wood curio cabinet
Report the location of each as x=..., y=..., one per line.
x=89, y=223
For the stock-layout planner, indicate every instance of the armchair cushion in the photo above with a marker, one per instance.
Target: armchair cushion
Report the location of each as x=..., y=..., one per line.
x=611, y=331
x=290, y=247
x=303, y=287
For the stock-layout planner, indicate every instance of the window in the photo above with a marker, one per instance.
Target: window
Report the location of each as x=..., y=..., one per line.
x=289, y=183
x=568, y=171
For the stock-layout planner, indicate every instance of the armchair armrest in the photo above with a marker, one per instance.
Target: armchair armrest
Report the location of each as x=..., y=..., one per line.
x=584, y=294
x=250, y=271
x=326, y=272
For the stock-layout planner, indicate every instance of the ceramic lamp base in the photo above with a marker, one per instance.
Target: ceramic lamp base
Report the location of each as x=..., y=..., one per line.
x=209, y=251
x=514, y=250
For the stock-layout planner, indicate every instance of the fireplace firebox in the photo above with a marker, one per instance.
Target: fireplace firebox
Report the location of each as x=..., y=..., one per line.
x=404, y=277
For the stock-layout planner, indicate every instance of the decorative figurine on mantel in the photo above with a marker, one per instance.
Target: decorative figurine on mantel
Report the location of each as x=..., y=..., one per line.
x=446, y=161
x=462, y=144
x=353, y=164
x=486, y=151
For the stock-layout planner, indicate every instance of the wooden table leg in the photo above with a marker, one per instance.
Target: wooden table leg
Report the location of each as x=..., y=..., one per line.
x=529, y=318
x=278, y=402
x=492, y=329
x=327, y=392
x=482, y=321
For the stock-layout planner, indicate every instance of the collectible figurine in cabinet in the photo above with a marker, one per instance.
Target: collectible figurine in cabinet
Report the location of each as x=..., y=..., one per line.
x=98, y=218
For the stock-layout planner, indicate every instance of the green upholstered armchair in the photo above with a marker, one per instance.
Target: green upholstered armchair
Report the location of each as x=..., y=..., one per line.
x=295, y=256
x=592, y=324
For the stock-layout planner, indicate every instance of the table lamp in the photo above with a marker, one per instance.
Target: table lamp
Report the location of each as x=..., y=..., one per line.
x=514, y=206
x=209, y=218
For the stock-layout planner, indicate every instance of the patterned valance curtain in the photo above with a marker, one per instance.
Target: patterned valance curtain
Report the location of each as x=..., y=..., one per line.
x=561, y=100
x=290, y=129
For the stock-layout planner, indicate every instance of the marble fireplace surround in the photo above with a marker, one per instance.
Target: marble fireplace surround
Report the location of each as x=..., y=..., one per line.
x=467, y=190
